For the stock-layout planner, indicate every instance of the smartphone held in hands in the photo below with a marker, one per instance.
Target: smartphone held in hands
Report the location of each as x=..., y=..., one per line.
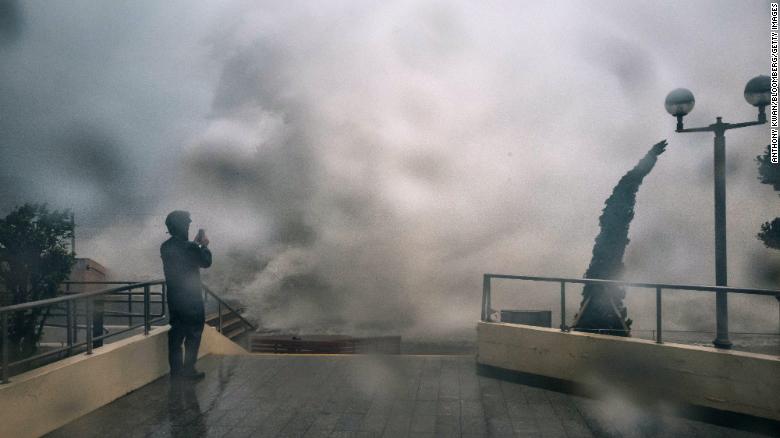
x=200, y=238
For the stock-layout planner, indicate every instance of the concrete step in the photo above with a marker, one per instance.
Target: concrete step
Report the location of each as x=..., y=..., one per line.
x=232, y=325
x=226, y=313
x=235, y=332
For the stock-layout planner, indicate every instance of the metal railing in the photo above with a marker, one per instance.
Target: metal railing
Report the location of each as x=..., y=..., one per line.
x=221, y=304
x=69, y=303
x=128, y=298
x=72, y=307
x=659, y=288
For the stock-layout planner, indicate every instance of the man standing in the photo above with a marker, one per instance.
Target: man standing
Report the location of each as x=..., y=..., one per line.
x=182, y=260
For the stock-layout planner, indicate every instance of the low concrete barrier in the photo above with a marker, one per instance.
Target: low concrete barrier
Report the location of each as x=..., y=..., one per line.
x=734, y=381
x=39, y=401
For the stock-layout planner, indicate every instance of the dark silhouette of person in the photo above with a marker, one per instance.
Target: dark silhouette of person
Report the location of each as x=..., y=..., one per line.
x=182, y=260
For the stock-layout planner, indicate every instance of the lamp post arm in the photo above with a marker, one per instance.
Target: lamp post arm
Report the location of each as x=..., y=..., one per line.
x=702, y=129
x=721, y=126
x=742, y=125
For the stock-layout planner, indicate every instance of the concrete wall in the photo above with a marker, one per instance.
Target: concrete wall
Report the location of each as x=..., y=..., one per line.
x=214, y=343
x=727, y=380
x=87, y=270
x=41, y=400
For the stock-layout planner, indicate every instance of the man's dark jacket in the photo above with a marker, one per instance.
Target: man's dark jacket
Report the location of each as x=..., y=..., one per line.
x=182, y=260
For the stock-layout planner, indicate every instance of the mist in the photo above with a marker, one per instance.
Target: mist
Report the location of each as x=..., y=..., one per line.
x=359, y=165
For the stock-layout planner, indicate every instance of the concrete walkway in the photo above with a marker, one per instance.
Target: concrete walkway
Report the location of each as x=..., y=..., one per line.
x=367, y=396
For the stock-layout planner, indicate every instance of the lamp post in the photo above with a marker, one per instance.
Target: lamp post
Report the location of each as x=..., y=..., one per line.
x=679, y=103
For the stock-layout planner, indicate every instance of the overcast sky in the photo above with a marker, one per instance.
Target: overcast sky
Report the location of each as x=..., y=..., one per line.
x=359, y=165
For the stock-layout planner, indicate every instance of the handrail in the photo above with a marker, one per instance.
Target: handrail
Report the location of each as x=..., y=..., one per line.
x=73, y=297
x=71, y=318
x=99, y=282
x=72, y=324
x=659, y=287
x=233, y=311
x=745, y=290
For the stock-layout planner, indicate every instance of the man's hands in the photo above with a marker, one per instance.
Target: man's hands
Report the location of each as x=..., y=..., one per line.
x=201, y=238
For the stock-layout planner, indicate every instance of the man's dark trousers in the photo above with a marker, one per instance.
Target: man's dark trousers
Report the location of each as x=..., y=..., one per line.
x=188, y=332
x=187, y=321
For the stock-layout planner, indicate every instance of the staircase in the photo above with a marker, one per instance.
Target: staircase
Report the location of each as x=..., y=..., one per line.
x=226, y=316
x=232, y=326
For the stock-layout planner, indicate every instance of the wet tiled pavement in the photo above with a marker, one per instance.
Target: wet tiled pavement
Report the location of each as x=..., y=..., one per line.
x=367, y=396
